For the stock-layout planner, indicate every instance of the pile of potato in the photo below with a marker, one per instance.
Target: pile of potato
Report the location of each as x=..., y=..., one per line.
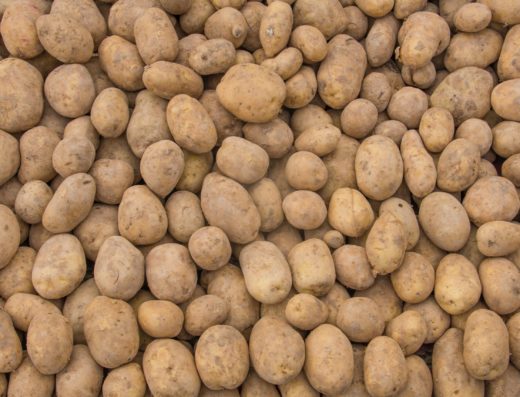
x=259, y=198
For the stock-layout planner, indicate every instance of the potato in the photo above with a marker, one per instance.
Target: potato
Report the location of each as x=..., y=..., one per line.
x=379, y=179
x=386, y=244
x=420, y=383
x=473, y=49
x=268, y=201
x=155, y=36
x=301, y=88
x=274, y=338
x=414, y=280
x=327, y=16
x=341, y=73
x=275, y=27
x=382, y=292
x=81, y=127
x=381, y=38
x=227, y=23
x=511, y=169
x=408, y=105
x=109, y=113
x=491, y=198
x=205, y=312
x=22, y=307
x=458, y=166
x=112, y=178
x=216, y=345
x=352, y=267
x=111, y=331
x=304, y=209
x=444, y=221
x=17, y=275
x=422, y=36
x=305, y=171
x=11, y=347
x=63, y=38
x=437, y=320
x=26, y=380
x=306, y=312
x=18, y=29
x=311, y=43
x=505, y=141
x=9, y=235
x=184, y=215
x=360, y=319
x=506, y=385
x=121, y=61
x=498, y=238
x=423, y=77
x=486, y=346
x=228, y=284
x=505, y=12
x=160, y=318
x=22, y=97
x=506, y=69
x=436, y=129
x=307, y=117
x=500, y=278
x=10, y=156
x=377, y=90
x=321, y=140
x=194, y=19
x=329, y=363
x=225, y=123
x=127, y=380
x=212, y=56
x=82, y=375
x=472, y=18
x=359, y=118
x=75, y=305
x=476, y=131
x=254, y=386
x=385, y=369
x=36, y=148
x=72, y=156
x=174, y=283
x=266, y=272
x=70, y=90
x=405, y=214
x=210, y=248
x=285, y=237
x=465, y=93
x=59, y=267
x=357, y=22
x=513, y=326
x=409, y=330
x=504, y=98
x=49, y=342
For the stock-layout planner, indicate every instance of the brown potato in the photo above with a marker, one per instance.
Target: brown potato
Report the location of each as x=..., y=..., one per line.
x=306, y=312
x=408, y=105
x=305, y=171
x=503, y=11
x=436, y=129
x=357, y=22
x=109, y=113
x=184, y=215
x=498, y=238
x=168, y=79
x=26, y=380
x=242, y=160
x=508, y=384
x=72, y=156
x=18, y=29
x=360, y=319
x=513, y=326
x=22, y=307
x=511, y=169
x=38, y=145
x=478, y=132
x=504, y=98
x=160, y=318
x=210, y=248
x=352, y=267
x=458, y=166
x=420, y=382
x=11, y=347
x=212, y=56
x=409, y=330
x=327, y=16
x=500, y=278
x=275, y=27
x=301, y=88
x=268, y=201
x=414, y=280
x=112, y=178
x=304, y=209
x=403, y=211
x=359, y=118
x=350, y=212
x=127, y=380
x=10, y=156
x=505, y=138
x=254, y=386
x=227, y=23
x=204, y=312
x=508, y=56
x=437, y=320
x=472, y=17
x=75, y=305
x=17, y=275
x=9, y=235
x=311, y=42
x=321, y=140
x=381, y=38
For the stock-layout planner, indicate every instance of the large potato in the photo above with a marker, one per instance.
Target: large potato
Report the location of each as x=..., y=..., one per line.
x=26, y=380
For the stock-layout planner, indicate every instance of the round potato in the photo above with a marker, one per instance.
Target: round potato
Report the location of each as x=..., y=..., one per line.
x=127, y=380
x=310, y=41
x=326, y=16
x=204, y=312
x=17, y=275
x=160, y=318
x=210, y=248
x=73, y=155
x=306, y=312
x=414, y=280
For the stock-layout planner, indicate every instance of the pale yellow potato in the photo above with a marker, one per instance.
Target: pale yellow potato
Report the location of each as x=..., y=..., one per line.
x=304, y=209
x=437, y=320
x=504, y=98
x=306, y=312
x=11, y=346
x=350, y=212
x=305, y=171
x=204, y=312
x=472, y=17
x=404, y=212
x=17, y=275
x=82, y=375
x=127, y=380
x=478, y=132
x=500, y=278
x=509, y=56
x=352, y=267
x=307, y=117
x=275, y=27
x=75, y=305
x=73, y=155
x=414, y=280
x=82, y=127
x=196, y=167
x=360, y=319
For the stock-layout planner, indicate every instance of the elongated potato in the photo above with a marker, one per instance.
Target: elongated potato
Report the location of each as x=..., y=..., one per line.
x=500, y=278
x=409, y=330
x=26, y=380
x=168, y=79
x=22, y=307
x=380, y=40
x=275, y=27
x=18, y=29
x=37, y=144
x=11, y=350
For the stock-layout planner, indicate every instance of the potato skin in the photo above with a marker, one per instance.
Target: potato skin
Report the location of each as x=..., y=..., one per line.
x=268, y=201
x=437, y=320
x=275, y=27
x=11, y=350
x=329, y=363
x=513, y=327
x=274, y=338
x=204, y=312
x=64, y=38
x=222, y=358
x=360, y=319
x=82, y=376
x=409, y=330
x=22, y=307
x=18, y=29
x=17, y=275
x=350, y=212
x=111, y=331
x=169, y=369
x=26, y=380
x=486, y=345
x=24, y=88
x=458, y=166
x=352, y=267
x=41, y=141
x=472, y=18
x=212, y=57
x=414, y=280
x=381, y=39
x=160, y=318
x=306, y=312
x=385, y=368
x=500, y=278
x=9, y=235
x=498, y=238
x=168, y=79
x=326, y=16
x=310, y=41
x=127, y=380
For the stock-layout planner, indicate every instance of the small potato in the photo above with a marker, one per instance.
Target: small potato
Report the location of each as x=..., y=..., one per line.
x=112, y=178
x=70, y=90
x=82, y=127
x=458, y=166
x=360, y=319
x=357, y=26
x=228, y=284
x=17, y=275
x=358, y=118
x=127, y=380
x=10, y=156
x=193, y=20
x=226, y=204
x=49, y=342
x=311, y=42
x=327, y=16
x=252, y=93
x=504, y=99
x=160, y=318
x=222, y=358
x=472, y=18
x=318, y=140
x=155, y=36
x=457, y=284
x=500, y=279
x=212, y=56
x=382, y=292
x=25, y=90
x=305, y=171
x=308, y=117
x=385, y=369
x=168, y=282
x=408, y=106
x=70, y=204
x=242, y=160
x=72, y=156
x=9, y=235
x=268, y=201
x=141, y=226
x=59, y=267
x=111, y=331
x=336, y=86
x=386, y=244
x=436, y=129
x=18, y=29
x=227, y=23
x=465, y=93
x=204, y=312
x=82, y=375
x=275, y=27
x=22, y=308
x=491, y=198
x=329, y=361
x=437, y=320
x=498, y=238
x=64, y=38
x=409, y=330
x=444, y=221
x=26, y=380
x=308, y=277
x=379, y=167
x=11, y=350
x=274, y=345
x=350, y=212
x=505, y=138
x=306, y=312
x=414, y=280
x=210, y=248
x=109, y=113
x=486, y=346
x=36, y=148
x=352, y=267
x=119, y=269
x=75, y=304
x=304, y=209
